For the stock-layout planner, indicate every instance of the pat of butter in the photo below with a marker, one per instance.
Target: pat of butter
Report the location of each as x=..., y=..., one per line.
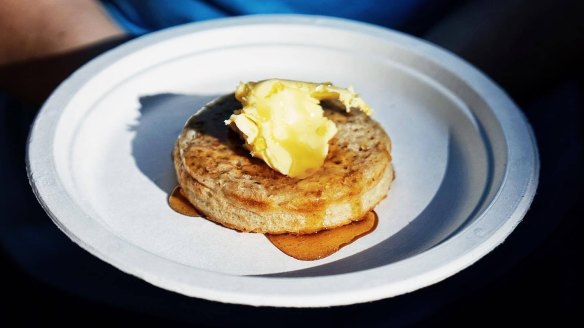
x=282, y=122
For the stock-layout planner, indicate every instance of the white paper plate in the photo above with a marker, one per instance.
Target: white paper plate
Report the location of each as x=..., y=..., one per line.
x=99, y=159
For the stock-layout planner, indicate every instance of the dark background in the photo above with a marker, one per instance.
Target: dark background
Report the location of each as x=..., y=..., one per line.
x=533, y=49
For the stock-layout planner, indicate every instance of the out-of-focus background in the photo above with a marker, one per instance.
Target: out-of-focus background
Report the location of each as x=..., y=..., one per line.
x=533, y=49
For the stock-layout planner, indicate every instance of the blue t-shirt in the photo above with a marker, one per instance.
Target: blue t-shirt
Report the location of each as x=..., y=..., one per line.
x=143, y=16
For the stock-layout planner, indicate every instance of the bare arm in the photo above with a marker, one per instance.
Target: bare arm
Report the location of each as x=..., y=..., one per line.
x=37, y=28
x=44, y=41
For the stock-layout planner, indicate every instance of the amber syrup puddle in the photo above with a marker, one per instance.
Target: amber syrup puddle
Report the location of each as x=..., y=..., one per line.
x=179, y=203
x=321, y=244
x=307, y=247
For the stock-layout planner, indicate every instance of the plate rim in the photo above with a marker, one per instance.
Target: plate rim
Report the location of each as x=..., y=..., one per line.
x=271, y=291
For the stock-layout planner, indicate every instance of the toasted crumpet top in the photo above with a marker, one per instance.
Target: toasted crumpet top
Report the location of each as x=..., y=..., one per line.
x=233, y=188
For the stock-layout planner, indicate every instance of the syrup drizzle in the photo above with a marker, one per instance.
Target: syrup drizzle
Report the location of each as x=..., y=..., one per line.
x=179, y=203
x=323, y=243
x=307, y=247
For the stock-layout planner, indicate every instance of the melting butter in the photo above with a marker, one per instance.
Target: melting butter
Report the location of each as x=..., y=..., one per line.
x=283, y=123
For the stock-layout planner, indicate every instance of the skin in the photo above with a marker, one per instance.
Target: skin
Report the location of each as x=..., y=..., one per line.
x=31, y=29
x=44, y=41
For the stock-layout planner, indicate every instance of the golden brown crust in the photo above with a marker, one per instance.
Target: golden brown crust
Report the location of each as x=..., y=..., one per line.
x=241, y=192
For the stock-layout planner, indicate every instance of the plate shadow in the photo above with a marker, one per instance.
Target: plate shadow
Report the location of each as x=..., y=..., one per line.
x=162, y=117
